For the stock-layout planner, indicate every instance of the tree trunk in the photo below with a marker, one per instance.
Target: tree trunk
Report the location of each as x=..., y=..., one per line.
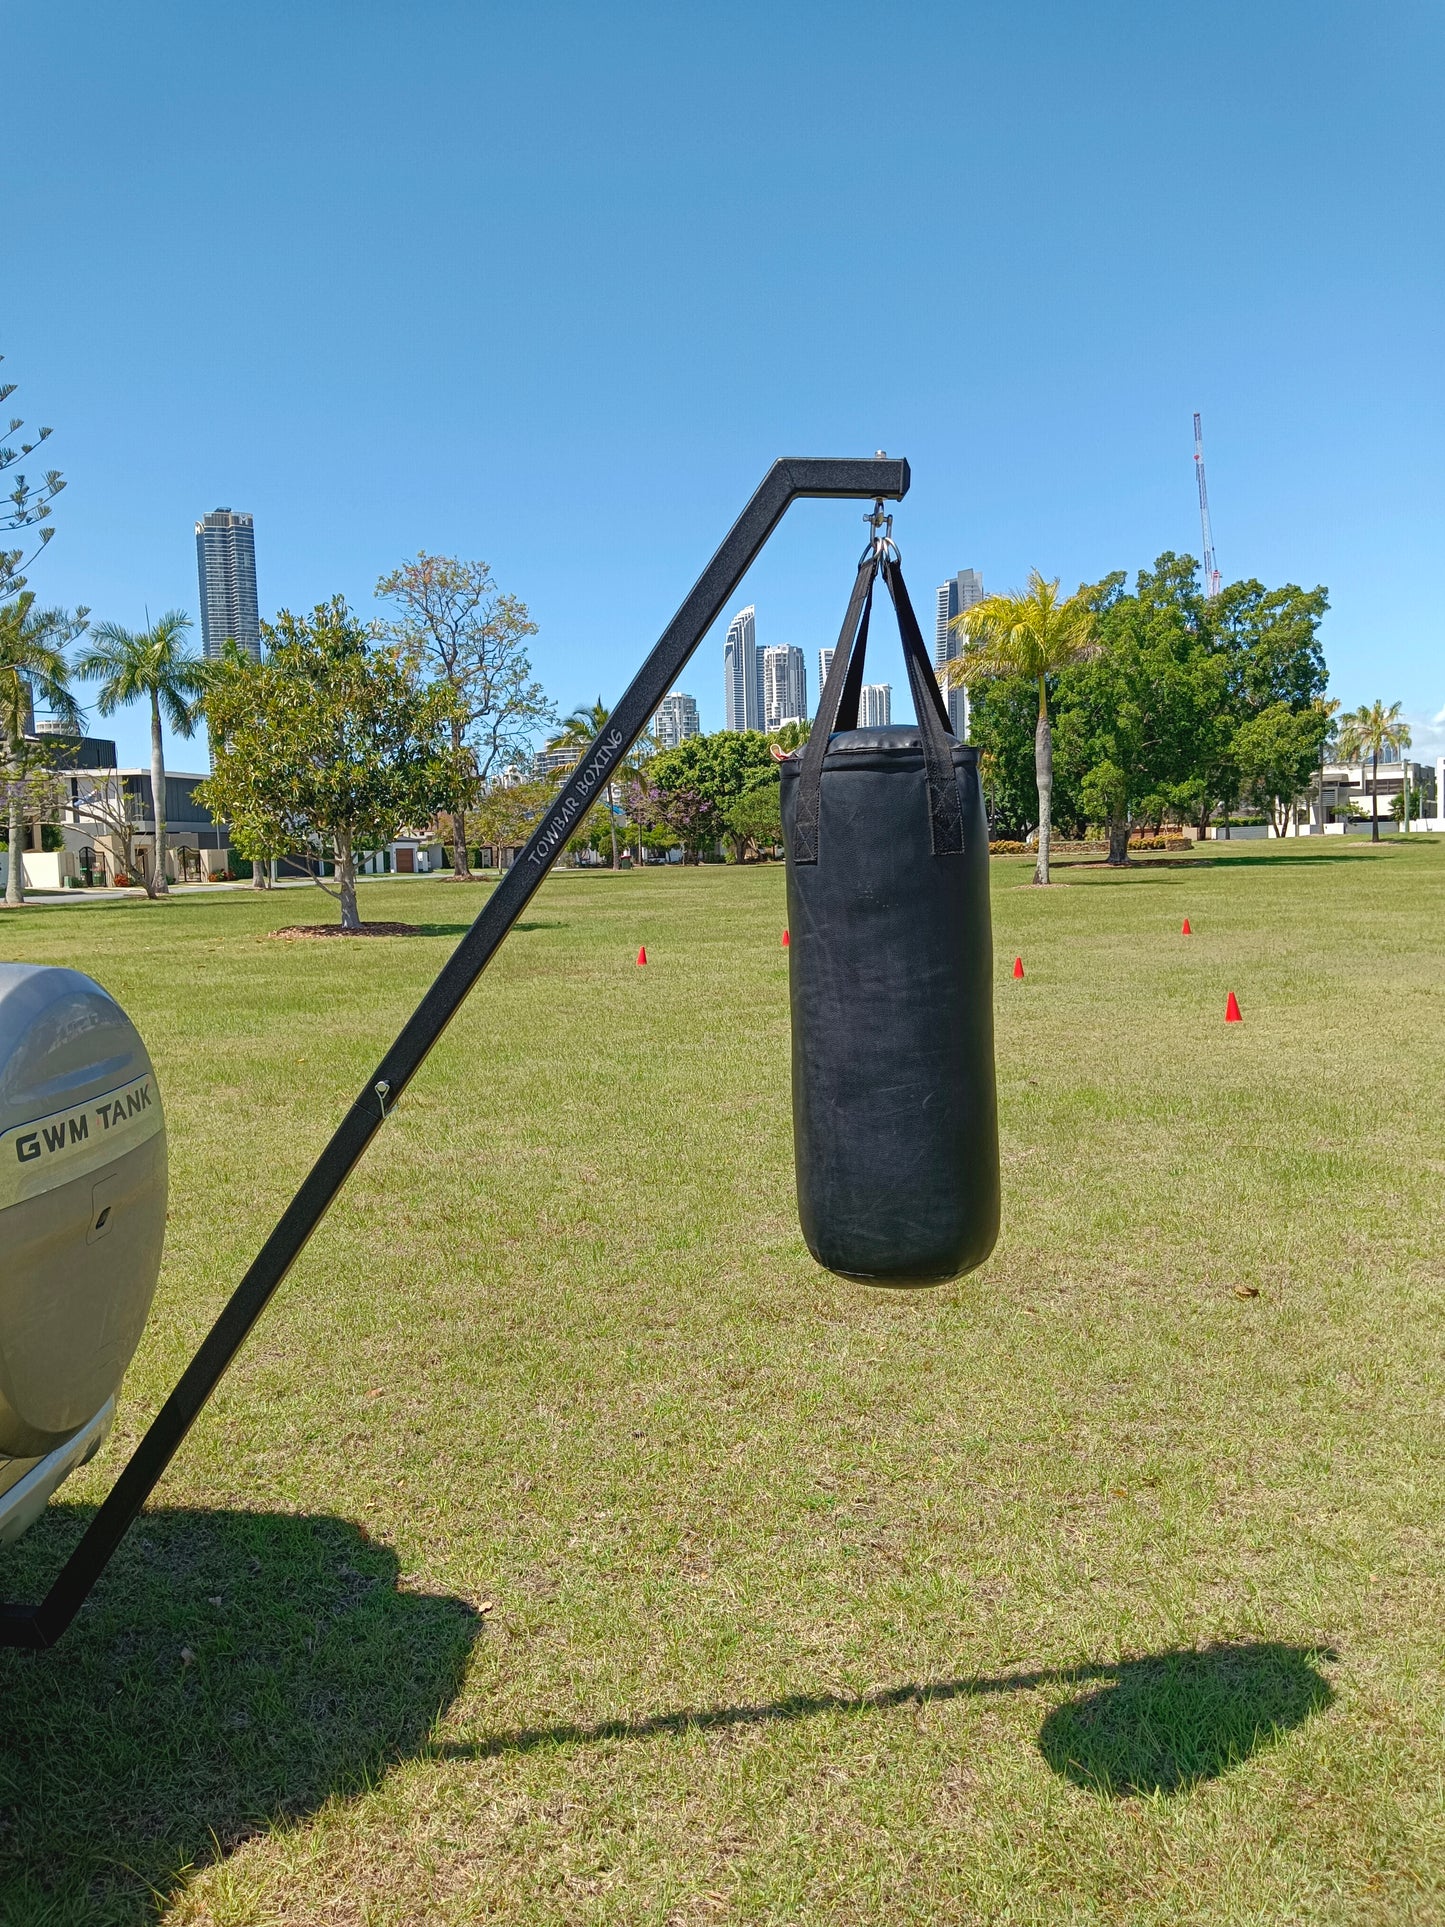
x=346, y=878
x=1118, y=839
x=1044, y=777
x=461, y=862
x=15, y=868
x=156, y=885
x=612, y=823
x=1375, y=797
x=258, y=873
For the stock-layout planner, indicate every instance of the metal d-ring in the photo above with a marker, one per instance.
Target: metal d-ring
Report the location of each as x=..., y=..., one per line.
x=880, y=542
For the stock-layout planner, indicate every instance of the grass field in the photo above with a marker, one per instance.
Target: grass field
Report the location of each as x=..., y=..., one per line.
x=565, y=1547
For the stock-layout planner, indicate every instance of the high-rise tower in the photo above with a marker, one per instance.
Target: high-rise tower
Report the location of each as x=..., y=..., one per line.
x=676, y=720
x=875, y=705
x=960, y=592
x=742, y=680
x=785, y=685
x=226, y=559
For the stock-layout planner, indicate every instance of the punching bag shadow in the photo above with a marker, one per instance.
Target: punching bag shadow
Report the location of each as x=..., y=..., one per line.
x=40, y=1626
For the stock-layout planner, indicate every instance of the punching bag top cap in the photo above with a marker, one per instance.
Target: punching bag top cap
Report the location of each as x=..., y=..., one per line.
x=887, y=741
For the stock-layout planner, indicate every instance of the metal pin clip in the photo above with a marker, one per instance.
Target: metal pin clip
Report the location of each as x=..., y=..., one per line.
x=383, y=1092
x=880, y=523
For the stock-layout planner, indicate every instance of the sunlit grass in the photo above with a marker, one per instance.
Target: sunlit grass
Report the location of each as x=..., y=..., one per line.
x=565, y=1547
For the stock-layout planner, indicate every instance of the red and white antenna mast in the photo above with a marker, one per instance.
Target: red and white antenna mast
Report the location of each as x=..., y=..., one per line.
x=1211, y=573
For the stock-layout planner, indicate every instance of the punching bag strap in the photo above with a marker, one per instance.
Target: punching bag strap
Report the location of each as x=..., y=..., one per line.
x=852, y=696
x=830, y=704
x=935, y=733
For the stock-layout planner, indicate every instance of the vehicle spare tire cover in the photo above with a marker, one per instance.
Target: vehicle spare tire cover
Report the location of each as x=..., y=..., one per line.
x=82, y=1201
x=890, y=964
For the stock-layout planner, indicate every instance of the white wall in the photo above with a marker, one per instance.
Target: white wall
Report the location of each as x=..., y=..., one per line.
x=41, y=869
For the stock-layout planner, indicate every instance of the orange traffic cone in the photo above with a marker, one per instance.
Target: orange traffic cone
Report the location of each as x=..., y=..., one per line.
x=1232, y=1013
x=785, y=940
x=642, y=954
x=1018, y=967
x=1186, y=931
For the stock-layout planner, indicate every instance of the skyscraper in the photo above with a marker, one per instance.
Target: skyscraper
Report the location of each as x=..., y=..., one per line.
x=954, y=596
x=742, y=681
x=676, y=720
x=226, y=558
x=825, y=663
x=875, y=705
x=785, y=685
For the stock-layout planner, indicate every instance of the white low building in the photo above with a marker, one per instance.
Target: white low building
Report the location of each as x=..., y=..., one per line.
x=1345, y=797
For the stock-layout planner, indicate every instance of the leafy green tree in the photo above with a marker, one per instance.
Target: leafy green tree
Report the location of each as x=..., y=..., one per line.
x=694, y=785
x=1369, y=731
x=1277, y=753
x=1003, y=717
x=791, y=735
x=252, y=841
x=329, y=743
x=27, y=506
x=1137, y=720
x=32, y=663
x=152, y=666
x=507, y=813
x=677, y=817
x=1034, y=634
x=1267, y=641
x=755, y=816
x=1148, y=726
x=467, y=633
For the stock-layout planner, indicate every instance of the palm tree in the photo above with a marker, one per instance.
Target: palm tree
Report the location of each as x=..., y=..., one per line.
x=577, y=731
x=1032, y=634
x=32, y=663
x=1369, y=731
x=153, y=664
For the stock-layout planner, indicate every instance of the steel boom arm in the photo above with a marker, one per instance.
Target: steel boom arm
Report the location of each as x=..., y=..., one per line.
x=40, y=1626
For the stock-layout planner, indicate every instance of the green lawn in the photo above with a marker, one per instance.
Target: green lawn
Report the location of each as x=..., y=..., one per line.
x=565, y=1547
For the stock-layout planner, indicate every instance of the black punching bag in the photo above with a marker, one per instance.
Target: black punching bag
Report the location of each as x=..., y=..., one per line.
x=890, y=976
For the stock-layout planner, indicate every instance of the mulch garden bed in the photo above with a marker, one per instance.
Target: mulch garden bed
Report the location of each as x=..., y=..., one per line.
x=296, y=931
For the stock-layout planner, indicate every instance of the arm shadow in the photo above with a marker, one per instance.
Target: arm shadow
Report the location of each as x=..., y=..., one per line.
x=234, y=1671
x=1157, y=1724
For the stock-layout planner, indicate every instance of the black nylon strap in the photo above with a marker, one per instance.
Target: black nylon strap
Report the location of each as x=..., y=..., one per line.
x=838, y=709
x=848, y=702
x=810, y=781
x=935, y=733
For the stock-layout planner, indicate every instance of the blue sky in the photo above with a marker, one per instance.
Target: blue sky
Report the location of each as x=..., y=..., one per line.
x=553, y=285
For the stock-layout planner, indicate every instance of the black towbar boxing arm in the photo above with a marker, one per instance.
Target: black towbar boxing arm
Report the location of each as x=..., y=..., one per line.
x=42, y=1625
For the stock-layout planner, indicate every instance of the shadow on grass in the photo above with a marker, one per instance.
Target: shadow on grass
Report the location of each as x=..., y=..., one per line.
x=1163, y=1724
x=235, y=1669
x=461, y=929
x=447, y=930
x=1160, y=1724
x=1237, y=860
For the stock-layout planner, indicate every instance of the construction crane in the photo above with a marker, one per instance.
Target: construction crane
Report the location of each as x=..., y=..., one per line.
x=1211, y=573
